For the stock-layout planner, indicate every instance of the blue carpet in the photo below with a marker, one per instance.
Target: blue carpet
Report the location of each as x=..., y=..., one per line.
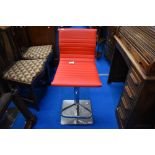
x=104, y=101
x=103, y=66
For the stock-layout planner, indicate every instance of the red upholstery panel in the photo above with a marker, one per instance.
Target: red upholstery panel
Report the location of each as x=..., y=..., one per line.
x=77, y=59
x=77, y=43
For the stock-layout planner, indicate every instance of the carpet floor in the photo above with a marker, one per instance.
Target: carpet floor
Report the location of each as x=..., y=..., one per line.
x=104, y=101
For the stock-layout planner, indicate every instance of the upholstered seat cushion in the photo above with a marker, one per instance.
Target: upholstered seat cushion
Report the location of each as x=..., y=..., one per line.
x=24, y=71
x=38, y=52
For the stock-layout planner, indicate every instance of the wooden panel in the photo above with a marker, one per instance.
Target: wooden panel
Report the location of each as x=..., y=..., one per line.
x=41, y=35
x=20, y=36
x=141, y=44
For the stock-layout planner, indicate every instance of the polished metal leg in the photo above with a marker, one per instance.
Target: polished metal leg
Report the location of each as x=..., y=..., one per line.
x=76, y=99
x=76, y=111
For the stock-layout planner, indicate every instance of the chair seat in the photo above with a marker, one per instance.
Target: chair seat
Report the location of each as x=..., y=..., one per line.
x=77, y=73
x=24, y=71
x=38, y=52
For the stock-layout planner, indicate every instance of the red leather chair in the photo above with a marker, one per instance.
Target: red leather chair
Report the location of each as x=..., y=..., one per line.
x=77, y=69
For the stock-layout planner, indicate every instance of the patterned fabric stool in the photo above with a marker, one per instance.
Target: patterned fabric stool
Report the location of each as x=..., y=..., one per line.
x=38, y=52
x=24, y=71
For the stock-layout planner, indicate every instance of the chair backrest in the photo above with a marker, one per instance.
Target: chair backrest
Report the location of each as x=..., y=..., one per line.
x=7, y=51
x=77, y=43
x=20, y=38
x=4, y=62
x=3, y=67
x=7, y=47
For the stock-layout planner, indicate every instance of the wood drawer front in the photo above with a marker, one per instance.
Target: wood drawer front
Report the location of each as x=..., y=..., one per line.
x=137, y=78
x=126, y=104
x=124, y=109
x=134, y=82
x=129, y=93
x=130, y=100
x=122, y=116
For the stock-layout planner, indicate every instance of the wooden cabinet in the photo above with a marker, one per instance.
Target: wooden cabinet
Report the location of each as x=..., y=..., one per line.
x=134, y=49
x=41, y=35
x=132, y=92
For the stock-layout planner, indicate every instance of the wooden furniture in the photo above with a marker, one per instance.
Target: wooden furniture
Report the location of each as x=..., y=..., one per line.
x=27, y=36
x=133, y=62
x=36, y=42
x=35, y=35
x=109, y=42
x=25, y=75
x=41, y=35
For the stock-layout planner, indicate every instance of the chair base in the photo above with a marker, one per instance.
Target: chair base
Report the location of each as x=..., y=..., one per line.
x=71, y=116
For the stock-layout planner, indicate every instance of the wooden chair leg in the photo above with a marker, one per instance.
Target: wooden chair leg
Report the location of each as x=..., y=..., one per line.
x=30, y=118
x=35, y=104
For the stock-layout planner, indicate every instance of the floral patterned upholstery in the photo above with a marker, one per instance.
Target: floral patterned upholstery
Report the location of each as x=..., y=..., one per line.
x=38, y=52
x=24, y=71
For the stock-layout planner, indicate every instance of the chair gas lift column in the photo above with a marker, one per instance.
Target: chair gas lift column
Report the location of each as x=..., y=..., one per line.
x=77, y=69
